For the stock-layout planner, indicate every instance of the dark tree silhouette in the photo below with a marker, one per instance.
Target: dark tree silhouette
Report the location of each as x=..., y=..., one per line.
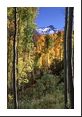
x=14, y=63
x=65, y=63
x=69, y=55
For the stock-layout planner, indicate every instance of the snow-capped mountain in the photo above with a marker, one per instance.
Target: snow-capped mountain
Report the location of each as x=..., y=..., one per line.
x=46, y=30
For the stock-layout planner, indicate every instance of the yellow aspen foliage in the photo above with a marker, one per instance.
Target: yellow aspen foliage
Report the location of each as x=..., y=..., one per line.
x=47, y=55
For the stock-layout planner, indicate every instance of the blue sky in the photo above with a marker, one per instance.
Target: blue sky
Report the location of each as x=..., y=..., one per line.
x=51, y=16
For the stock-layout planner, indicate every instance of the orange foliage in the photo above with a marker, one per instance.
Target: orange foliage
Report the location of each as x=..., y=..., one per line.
x=55, y=50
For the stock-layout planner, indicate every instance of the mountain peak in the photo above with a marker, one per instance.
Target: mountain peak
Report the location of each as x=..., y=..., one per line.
x=46, y=30
x=51, y=26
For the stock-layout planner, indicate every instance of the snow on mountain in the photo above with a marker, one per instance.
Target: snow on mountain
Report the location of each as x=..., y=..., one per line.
x=46, y=30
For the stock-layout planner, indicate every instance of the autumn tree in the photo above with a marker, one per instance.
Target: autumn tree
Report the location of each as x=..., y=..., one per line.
x=11, y=66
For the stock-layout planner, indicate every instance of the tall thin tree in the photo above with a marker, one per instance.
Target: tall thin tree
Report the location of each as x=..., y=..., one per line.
x=69, y=55
x=14, y=63
x=65, y=62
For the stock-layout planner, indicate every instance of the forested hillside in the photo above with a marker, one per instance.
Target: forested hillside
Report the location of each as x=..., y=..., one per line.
x=36, y=63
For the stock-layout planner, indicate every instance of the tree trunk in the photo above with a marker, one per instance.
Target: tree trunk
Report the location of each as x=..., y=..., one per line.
x=17, y=54
x=65, y=62
x=14, y=63
x=8, y=43
x=69, y=51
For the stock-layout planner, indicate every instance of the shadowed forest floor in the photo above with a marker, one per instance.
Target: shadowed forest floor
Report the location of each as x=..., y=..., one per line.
x=47, y=92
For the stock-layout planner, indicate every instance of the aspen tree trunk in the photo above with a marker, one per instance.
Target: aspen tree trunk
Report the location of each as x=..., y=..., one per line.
x=7, y=70
x=17, y=54
x=65, y=62
x=14, y=63
x=8, y=44
x=69, y=53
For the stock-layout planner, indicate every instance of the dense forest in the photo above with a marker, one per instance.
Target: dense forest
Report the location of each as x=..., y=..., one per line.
x=40, y=68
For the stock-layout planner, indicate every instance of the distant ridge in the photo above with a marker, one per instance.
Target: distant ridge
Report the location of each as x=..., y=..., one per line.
x=46, y=30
